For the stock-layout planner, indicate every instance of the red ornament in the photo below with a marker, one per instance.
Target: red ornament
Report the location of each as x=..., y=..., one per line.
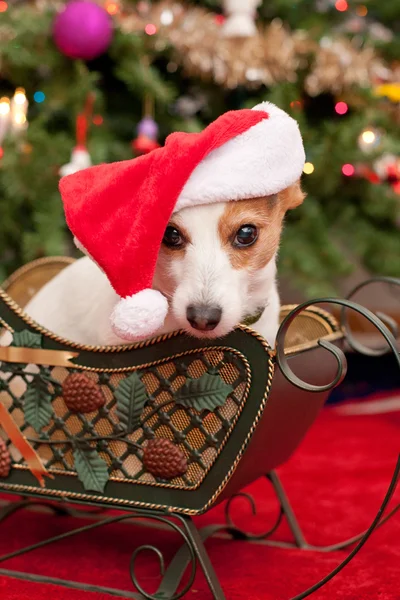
x=367, y=173
x=97, y=120
x=373, y=177
x=393, y=173
x=296, y=104
x=143, y=144
x=396, y=188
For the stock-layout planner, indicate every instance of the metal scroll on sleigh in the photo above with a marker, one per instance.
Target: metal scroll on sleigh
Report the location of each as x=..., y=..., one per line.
x=168, y=427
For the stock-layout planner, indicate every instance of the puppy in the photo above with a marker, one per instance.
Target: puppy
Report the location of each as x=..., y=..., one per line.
x=216, y=267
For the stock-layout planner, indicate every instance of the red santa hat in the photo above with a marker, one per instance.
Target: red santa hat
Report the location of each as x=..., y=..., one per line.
x=243, y=154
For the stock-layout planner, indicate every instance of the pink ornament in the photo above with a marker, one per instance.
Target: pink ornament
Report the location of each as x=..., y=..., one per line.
x=83, y=30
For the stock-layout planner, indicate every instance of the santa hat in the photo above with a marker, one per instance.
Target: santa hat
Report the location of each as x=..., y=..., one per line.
x=118, y=212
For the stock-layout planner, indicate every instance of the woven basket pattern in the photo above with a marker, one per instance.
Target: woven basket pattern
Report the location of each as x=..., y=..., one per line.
x=200, y=435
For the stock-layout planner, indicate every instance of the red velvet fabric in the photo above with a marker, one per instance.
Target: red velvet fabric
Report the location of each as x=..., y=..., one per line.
x=119, y=211
x=335, y=482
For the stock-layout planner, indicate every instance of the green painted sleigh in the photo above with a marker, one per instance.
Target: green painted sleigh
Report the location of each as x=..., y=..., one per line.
x=171, y=426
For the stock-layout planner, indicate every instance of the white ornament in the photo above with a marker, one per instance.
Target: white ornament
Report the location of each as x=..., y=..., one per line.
x=240, y=20
x=80, y=159
x=382, y=164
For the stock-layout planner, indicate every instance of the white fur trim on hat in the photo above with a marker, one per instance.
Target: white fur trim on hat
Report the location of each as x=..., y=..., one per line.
x=140, y=316
x=262, y=161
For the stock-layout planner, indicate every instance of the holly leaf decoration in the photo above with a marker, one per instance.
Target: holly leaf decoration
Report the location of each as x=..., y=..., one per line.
x=131, y=395
x=38, y=409
x=27, y=339
x=206, y=393
x=91, y=469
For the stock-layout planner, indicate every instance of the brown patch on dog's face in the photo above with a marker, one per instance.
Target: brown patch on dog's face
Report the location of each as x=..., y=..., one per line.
x=266, y=215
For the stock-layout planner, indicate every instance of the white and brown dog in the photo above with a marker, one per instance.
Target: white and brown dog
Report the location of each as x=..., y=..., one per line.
x=183, y=238
x=216, y=267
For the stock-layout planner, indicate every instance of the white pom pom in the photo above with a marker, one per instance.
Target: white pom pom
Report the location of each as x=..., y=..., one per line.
x=140, y=316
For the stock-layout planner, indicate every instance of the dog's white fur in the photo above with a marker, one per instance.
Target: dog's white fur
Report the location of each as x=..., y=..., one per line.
x=77, y=303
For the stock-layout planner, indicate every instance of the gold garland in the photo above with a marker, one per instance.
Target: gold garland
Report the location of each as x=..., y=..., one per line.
x=273, y=55
x=202, y=52
x=338, y=66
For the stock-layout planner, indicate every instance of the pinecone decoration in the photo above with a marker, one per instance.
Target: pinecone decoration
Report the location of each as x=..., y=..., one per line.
x=163, y=459
x=81, y=394
x=5, y=459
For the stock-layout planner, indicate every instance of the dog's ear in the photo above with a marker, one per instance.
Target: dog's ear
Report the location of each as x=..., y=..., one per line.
x=292, y=196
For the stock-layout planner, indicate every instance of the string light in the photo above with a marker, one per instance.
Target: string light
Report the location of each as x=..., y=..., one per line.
x=368, y=136
x=19, y=96
x=112, y=8
x=39, y=97
x=4, y=118
x=296, y=104
x=143, y=6
x=20, y=119
x=341, y=108
x=362, y=11
x=150, y=29
x=3, y=6
x=348, y=170
x=26, y=148
x=4, y=106
x=1, y=152
x=341, y=5
x=98, y=120
x=308, y=168
x=19, y=109
x=166, y=17
x=172, y=67
x=370, y=139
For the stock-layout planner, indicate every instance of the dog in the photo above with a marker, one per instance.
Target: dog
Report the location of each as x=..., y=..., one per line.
x=216, y=267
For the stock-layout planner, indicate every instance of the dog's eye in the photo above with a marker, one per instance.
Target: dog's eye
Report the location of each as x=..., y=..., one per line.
x=245, y=236
x=173, y=238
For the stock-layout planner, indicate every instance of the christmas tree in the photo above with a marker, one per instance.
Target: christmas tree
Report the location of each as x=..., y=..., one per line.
x=116, y=78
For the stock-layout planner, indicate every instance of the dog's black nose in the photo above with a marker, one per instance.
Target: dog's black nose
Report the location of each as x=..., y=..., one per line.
x=203, y=317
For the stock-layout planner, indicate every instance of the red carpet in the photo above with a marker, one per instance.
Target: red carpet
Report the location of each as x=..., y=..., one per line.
x=335, y=482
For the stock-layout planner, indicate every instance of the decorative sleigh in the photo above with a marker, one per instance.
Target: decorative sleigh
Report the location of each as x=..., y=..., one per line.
x=168, y=428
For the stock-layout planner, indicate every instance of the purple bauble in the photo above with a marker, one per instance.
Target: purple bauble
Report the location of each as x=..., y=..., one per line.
x=148, y=127
x=83, y=30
